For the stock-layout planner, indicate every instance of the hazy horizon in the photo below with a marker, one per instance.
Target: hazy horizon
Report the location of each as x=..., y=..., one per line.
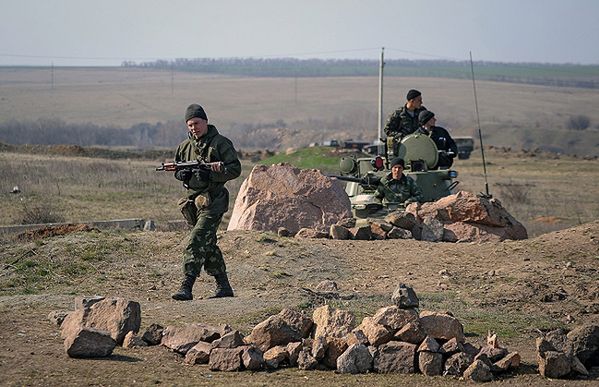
x=85, y=33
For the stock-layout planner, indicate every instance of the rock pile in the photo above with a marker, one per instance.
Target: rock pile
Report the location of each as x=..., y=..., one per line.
x=462, y=217
x=563, y=354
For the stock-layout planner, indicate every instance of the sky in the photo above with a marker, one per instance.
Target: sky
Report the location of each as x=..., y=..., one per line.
x=108, y=32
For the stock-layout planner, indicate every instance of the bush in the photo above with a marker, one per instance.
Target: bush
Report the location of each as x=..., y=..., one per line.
x=515, y=193
x=579, y=122
x=40, y=214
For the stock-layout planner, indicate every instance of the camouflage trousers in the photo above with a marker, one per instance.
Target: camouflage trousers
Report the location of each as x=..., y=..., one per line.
x=201, y=250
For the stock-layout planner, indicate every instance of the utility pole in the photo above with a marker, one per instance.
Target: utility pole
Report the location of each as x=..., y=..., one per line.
x=380, y=123
x=52, y=77
x=172, y=79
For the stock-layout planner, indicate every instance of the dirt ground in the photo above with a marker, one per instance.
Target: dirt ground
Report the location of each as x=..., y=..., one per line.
x=516, y=288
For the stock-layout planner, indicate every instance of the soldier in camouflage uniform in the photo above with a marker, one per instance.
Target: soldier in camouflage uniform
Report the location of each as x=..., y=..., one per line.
x=207, y=201
x=397, y=188
x=404, y=120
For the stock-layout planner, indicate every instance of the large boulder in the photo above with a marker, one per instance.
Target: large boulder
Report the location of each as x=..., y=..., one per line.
x=114, y=315
x=284, y=196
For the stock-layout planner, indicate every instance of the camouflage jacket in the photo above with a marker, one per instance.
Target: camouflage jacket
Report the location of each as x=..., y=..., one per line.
x=404, y=190
x=210, y=148
x=401, y=122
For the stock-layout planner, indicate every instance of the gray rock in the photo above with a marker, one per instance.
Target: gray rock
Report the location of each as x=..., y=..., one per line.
x=494, y=354
x=430, y=363
x=252, y=358
x=363, y=233
x=335, y=347
x=305, y=361
x=181, y=339
x=225, y=359
x=347, y=222
x=115, y=315
x=412, y=333
x=479, y=372
x=338, y=232
x=510, y=361
x=452, y=346
x=456, y=364
x=553, y=364
x=89, y=342
x=230, y=340
x=275, y=356
x=153, y=335
x=429, y=345
x=319, y=347
x=395, y=356
x=394, y=318
x=355, y=360
x=399, y=233
x=402, y=219
x=329, y=321
x=294, y=349
x=199, y=353
x=432, y=230
x=583, y=342
x=281, y=329
x=578, y=367
x=405, y=297
x=442, y=326
x=132, y=340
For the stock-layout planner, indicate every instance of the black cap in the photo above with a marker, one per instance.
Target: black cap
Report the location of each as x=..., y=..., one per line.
x=425, y=116
x=413, y=93
x=398, y=161
x=195, y=110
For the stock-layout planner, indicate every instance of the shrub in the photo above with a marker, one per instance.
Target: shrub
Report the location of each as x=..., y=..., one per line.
x=579, y=122
x=35, y=214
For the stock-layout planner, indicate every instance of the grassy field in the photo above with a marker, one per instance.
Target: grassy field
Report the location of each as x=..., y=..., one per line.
x=544, y=193
x=313, y=109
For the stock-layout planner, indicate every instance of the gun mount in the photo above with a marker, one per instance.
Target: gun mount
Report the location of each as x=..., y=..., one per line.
x=421, y=158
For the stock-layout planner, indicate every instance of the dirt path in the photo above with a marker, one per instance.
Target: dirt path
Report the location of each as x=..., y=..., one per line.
x=514, y=288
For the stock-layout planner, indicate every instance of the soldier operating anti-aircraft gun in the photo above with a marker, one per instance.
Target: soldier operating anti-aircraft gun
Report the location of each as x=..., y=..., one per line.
x=421, y=158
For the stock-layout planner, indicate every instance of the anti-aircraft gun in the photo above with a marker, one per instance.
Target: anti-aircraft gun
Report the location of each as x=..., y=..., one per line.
x=421, y=157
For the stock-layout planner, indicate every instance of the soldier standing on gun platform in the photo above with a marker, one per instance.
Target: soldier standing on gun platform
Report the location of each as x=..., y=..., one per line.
x=207, y=201
x=404, y=120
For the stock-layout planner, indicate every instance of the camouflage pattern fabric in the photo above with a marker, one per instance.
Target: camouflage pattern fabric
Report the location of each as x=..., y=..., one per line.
x=402, y=123
x=201, y=250
x=404, y=190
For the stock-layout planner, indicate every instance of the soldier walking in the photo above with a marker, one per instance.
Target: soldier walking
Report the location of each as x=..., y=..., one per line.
x=207, y=200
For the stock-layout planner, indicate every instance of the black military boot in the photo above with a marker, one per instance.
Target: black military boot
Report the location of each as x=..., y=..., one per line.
x=184, y=292
x=223, y=288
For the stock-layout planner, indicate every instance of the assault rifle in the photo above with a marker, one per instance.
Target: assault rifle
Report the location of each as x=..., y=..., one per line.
x=367, y=182
x=191, y=165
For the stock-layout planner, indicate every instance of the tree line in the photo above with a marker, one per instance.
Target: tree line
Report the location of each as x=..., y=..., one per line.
x=567, y=75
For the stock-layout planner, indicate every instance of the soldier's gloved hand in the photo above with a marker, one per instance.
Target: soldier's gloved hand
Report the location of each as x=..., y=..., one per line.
x=203, y=174
x=183, y=174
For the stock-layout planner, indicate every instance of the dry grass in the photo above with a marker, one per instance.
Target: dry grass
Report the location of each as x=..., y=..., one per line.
x=533, y=189
x=511, y=114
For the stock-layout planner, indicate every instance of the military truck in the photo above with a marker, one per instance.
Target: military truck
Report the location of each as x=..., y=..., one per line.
x=421, y=157
x=465, y=146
